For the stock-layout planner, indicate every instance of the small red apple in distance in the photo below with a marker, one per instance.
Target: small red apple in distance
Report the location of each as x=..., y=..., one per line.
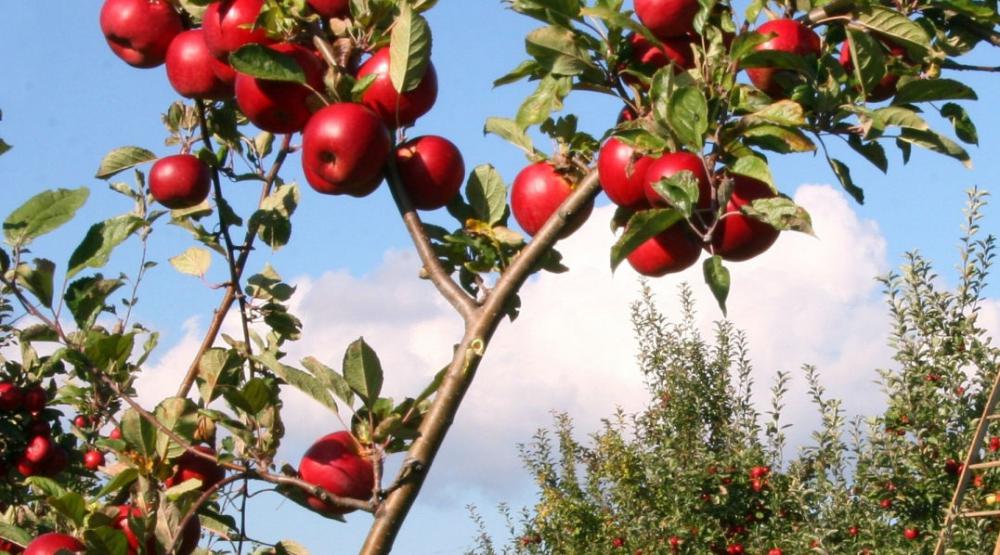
x=189, y=536
x=886, y=88
x=536, y=194
x=335, y=464
x=38, y=449
x=775, y=551
x=93, y=459
x=622, y=170
x=331, y=8
x=11, y=397
x=82, y=422
x=738, y=237
x=116, y=433
x=193, y=467
x=667, y=18
x=911, y=533
x=670, y=164
x=190, y=68
x=279, y=106
x=179, y=181
x=229, y=24
x=397, y=110
x=344, y=148
x=139, y=31
x=34, y=399
x=790, y=36
x=432, y=171
x=52, y=543
x=735, y=549
x=671, y=251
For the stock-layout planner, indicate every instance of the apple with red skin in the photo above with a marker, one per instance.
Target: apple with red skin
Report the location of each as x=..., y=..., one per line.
x=911, y=533
x=139, y=31
x=536, y=194
x=735, y=549
x=11, y=397
x=344, y=148
x=52, y=543
x=621, y=170
x=397, y=110
x=10, y=547
x=994, y=444
x=228, y=25
x=648, y=56
x=35, y=398
x=93, y=459
x=82, y=422
x=331, y=8
x=56, y=461
x=739, y=237
x=673, y=250
x=790, y=36
x=675, y=543
x=38, y=449
x=670, y=164
x=116, y=433
x=193, y=467
x=25, y=467
x=335, y=463
x=189, y=536
x=281, y=106
x=432, y=171
x=667, y=18
x=775, y=551
x=190, y=68
x=180, y=181
x=886, y=87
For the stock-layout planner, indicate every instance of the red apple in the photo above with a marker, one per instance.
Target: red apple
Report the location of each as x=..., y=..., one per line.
x=10, y=547
x=735, y=549
x=432, y=171
x=886, y=88
x=397, y=110
x=537, y=193
x=775, y=551
x=671, y=251
x=911, y=533
x=667, y=18
x=650, y=57
x=56, y=461
x=34, y=399
x=190, y=68
x=621, y=170
x=790, y=36
x=738, y=237
x=139, y=31
x=192, y=467
x=25, y=467
x=93, y=459
x=82, y=422
x=38, y=449
x=670, y=164
x=179, y=181
x=11, y=397
x=280, y=106
x=229, y=24
x=335, y=464
x=116, y=433
x=52, y=543
x=331, y=8
x=344, y=148
x=189, y=537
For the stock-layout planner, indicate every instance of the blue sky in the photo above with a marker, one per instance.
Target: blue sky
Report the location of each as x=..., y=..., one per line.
x=67, y=100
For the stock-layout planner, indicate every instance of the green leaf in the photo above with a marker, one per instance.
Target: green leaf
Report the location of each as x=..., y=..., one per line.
x=937, y=143
x=717, y=278
x=527, y=68
x=193, y=262
x=300, y=380
x=755, y=167
x=872, y=151
x=38, y=279
x=363, y=371
x=843, y=173
x=139, y=433
x=178, y=491
x=899, y=116
x=487, y=194
x=556, y=50
x=783, y=112
x=289, y=547
x=106, y=541
x=688, y=116
x=926, y=90
x=43, y=213
x=680, y=190
x=4, y=147
x=545, y=100
x=71, y=506
x=87, y=297
x=510, y=131
x=643, y=226
x=330, y=379
x=179, y=415
x=119, y=481
x=895, y=26
x=17, y=535
x=965, y=129
x=121, y=159
x=102, y=238
x=47, y=486
x=868, y=59
x=262, y=62
x=257, y=394
x=273, y=219
x=778, y=139
x=409, y=49
x=744, y=44
x=781, y=213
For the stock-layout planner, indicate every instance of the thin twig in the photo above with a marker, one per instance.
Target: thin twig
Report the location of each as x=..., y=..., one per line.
x=950, y=64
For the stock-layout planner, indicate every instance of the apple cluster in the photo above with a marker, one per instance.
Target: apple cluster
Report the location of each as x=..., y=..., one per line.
x=345, y=145
x=29, y=445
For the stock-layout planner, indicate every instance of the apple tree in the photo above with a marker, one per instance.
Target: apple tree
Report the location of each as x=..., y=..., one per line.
x=334, y=85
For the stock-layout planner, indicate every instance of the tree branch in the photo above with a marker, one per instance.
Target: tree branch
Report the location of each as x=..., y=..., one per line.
x=391, y=513
x=950, y=64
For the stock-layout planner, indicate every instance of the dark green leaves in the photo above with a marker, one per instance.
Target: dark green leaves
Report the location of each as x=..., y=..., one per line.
x=937, y=143
x=556, y=50
x=121, y=159
x=363, y=371
x=86, y=298
x=546, y=99
x=487, y=194
x=895, y=26
x=867, y=58
x=717, y=278
x=688, y=116
x=273, y=219
x=512, y=132
x=264, y=63
x=780, y=213
x=101, y=239
x=409, y=49
x=43, y=213
x=965, y=130
x=641, y=227
x=925, y=90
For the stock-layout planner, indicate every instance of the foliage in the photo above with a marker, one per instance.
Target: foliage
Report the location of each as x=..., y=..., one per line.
x=701, y=469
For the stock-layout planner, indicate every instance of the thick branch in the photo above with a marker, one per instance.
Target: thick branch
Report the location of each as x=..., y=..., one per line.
x=450, y=290
x=390, y=515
